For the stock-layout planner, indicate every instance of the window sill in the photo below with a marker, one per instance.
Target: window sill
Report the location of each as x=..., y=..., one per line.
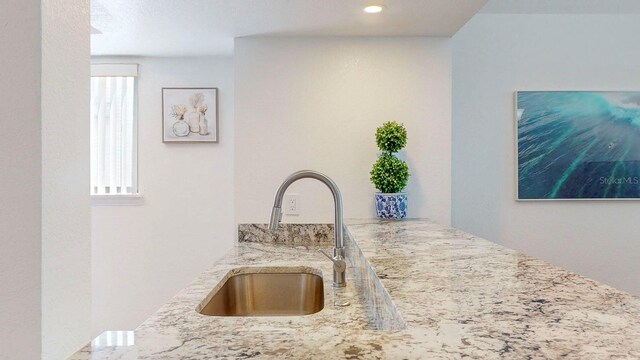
x=117, y=200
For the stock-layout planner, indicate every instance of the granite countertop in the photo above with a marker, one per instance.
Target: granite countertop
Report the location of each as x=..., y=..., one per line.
x=417, y=289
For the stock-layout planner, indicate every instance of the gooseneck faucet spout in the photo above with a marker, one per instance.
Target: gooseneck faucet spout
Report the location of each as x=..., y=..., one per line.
x=338, y=259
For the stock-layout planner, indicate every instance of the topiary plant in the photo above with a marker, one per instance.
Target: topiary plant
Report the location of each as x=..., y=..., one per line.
x=391, y=137
x=390, y=174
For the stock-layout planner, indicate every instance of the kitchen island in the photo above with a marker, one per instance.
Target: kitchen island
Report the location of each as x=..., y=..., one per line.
x=416, y=289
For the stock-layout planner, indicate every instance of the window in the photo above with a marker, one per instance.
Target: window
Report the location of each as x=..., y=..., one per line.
x=113, y=130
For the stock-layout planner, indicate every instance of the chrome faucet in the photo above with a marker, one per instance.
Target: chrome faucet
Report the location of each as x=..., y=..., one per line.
x=338, y=259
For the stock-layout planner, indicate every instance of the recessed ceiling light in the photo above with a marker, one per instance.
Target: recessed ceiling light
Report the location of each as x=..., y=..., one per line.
x=373, y=9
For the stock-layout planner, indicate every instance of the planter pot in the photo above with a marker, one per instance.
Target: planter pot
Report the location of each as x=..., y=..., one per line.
x=391, y=206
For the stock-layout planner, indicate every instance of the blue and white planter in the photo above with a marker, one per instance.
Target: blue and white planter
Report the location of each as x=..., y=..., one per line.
x=391, y=206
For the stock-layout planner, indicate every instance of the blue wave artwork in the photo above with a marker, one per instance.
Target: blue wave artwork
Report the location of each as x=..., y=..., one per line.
x=578, y=145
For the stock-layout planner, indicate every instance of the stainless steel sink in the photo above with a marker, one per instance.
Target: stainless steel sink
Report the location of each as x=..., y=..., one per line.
x=267, y=294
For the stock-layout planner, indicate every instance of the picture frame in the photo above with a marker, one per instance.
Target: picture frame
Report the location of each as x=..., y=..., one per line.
x=577, y=145
x=190, y=115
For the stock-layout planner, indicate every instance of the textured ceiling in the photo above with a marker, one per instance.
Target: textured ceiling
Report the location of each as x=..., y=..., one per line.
x=562, y=7
x=207, y=27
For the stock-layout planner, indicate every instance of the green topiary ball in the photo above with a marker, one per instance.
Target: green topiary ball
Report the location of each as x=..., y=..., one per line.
x=391, y=136
x=389, y=174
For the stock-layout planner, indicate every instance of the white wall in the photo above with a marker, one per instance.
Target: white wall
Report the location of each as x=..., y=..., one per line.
x=66, y=220
x=20, y=179
x=143, y=255
x=495, y=55
x=314, y=103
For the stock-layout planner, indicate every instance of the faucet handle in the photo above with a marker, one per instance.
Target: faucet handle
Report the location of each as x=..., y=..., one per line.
x=338, y=262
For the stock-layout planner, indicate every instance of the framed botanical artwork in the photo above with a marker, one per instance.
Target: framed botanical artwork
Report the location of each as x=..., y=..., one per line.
x=578, y=145
x=189, y=115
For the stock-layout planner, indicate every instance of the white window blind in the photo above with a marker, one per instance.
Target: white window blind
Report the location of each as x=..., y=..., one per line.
x=113, y=129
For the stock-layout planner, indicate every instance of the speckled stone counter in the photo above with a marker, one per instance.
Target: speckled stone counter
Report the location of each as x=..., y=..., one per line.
x=418, y=290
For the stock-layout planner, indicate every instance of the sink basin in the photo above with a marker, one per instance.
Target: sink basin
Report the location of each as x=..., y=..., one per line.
x=267, y=294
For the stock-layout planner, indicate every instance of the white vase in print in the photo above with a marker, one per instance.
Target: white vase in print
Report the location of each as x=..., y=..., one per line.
x=204, y=123
x=180, y=128
x=196, y=101
x=194, y=122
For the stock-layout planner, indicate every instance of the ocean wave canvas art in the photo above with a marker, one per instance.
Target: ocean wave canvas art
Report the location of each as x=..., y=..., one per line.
x=578, y=145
